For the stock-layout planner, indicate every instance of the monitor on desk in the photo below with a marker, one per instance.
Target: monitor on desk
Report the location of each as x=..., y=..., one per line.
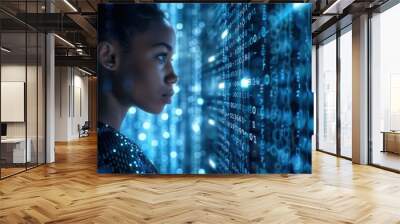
x=3, y=130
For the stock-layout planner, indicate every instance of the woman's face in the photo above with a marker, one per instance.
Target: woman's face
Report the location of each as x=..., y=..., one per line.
x=146, y=72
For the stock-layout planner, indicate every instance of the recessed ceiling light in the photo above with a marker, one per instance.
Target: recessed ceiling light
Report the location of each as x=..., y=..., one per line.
x=70, y=5
x=65, y=41
x=337, y=7
x=84, y=71
x=5, y=50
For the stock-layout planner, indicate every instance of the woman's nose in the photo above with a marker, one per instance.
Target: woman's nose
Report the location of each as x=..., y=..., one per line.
x=171, y=78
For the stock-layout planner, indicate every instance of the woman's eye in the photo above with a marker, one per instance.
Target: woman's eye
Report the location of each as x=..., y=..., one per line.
x=161, y=58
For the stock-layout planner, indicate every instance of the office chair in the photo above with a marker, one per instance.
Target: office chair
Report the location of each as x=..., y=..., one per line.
x=84, y=130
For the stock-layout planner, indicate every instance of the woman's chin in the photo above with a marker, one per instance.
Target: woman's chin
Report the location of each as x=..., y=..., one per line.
x=155, y=109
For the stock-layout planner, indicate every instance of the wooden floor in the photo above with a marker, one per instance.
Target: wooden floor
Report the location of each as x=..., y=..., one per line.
x=70, y=191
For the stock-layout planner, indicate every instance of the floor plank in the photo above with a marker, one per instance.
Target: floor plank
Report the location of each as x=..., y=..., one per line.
x=70, y=191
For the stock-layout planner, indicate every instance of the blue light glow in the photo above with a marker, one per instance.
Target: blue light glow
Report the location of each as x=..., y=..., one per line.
x=299, y=5
x=196, y=88
x=176, y=89
x=196, y=127
x=245, y=83
x=166, y=135
x=164, y=116
x=224, y=34
x=173, y=154
x=212, y=163
x=200, y=101
x=154, y=143
x=178, y=111
x=221, y=85
x=142, y=136
x=211, y=122
x=132, y=110
x=146, y=125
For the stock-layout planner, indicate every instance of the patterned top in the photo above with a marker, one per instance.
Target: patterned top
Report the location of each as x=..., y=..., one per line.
x=118, y=154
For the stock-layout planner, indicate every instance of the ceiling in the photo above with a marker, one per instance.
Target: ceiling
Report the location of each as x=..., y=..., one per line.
x=75, y=22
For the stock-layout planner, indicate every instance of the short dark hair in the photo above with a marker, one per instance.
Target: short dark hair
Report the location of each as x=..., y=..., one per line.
x=121, y=21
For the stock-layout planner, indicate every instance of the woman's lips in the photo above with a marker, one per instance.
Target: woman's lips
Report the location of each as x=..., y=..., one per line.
x=166, y=98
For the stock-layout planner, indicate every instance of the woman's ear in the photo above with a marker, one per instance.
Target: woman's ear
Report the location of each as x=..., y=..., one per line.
x=108, y=56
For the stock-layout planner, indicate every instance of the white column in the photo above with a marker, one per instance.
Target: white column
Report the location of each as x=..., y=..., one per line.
x=50, y=93
x=360, y=90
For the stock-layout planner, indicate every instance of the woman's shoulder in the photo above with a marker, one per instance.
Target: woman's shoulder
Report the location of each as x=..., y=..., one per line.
x=118, y=154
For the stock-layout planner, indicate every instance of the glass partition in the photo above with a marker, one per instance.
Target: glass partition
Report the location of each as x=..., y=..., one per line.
x=13, y=105
x=327, y=96
x=22, y=89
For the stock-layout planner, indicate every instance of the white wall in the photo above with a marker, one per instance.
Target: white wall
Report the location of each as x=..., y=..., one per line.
x=80, y=115
x=314, y=90
x=13, y=73
x=61, y=103
x=71, y=93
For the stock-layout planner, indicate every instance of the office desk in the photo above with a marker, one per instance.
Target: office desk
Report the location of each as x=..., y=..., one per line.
x=391, y=141
x=17, y=150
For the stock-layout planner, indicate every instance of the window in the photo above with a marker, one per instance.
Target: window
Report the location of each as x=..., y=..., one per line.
x=346, y=93
x=327, y=96
x=385, y=88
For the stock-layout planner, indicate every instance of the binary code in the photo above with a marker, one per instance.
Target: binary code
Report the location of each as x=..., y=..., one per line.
x=243, y=102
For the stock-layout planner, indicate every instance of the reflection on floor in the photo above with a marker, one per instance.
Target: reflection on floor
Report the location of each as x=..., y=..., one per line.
x=8, y=170
x=386, y=159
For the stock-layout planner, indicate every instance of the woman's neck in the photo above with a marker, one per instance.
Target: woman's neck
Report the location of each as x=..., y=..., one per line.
x=111, y=111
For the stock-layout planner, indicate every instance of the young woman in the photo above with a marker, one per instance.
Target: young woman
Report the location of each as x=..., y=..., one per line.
x=135, y=47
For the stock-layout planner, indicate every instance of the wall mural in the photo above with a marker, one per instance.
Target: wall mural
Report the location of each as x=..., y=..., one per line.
x=204, y=88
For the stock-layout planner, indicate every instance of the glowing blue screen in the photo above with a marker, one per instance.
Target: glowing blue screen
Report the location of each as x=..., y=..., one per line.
x=243, y=102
